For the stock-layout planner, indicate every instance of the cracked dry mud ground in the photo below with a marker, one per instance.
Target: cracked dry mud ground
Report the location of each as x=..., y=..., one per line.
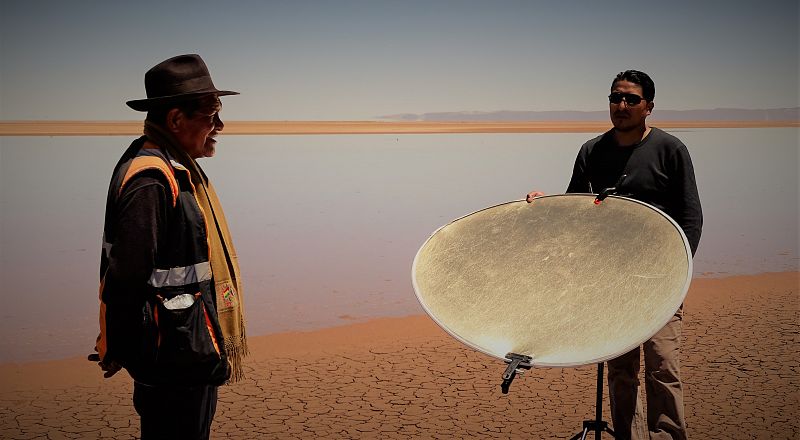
x=405, y=378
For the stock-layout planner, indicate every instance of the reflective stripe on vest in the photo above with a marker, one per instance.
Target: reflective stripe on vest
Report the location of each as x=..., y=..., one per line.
x=181, y=276
x=106, y=247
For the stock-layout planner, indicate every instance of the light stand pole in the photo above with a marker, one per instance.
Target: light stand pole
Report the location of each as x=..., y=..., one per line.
x=597, y=425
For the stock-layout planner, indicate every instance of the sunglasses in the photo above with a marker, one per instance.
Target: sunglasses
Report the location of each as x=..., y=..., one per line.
x=630, y=98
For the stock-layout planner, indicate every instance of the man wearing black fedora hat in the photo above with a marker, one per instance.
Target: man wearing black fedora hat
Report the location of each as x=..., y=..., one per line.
x=171, y=310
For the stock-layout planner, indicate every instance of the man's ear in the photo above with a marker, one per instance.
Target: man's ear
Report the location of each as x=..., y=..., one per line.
x=650, y=105
x=175, y=120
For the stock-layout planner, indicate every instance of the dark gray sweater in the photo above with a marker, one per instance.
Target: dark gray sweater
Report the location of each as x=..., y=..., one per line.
x=659, y=172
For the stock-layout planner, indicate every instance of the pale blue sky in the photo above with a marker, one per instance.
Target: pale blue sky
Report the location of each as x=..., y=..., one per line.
x=334, y=60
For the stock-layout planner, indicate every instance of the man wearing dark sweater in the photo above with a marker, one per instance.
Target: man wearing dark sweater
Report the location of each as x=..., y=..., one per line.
x=646, y=164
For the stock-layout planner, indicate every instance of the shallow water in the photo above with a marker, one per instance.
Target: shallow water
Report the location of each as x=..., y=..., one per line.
x=327, y=226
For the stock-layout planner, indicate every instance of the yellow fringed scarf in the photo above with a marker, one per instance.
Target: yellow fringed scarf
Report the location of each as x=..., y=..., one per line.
x=222, y=255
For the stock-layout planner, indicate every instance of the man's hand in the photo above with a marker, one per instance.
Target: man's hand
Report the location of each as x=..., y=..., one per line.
x=531, y=195
x=110, y=368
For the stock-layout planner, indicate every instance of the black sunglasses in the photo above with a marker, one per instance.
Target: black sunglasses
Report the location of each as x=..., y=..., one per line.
x=630, y=98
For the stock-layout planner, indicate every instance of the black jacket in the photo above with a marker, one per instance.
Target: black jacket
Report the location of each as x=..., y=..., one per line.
x=155, y=248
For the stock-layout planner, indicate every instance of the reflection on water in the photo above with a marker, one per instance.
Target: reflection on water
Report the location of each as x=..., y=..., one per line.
x=327, y=226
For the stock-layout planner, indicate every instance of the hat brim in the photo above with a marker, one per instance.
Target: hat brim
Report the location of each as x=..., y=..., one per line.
x=144, y=105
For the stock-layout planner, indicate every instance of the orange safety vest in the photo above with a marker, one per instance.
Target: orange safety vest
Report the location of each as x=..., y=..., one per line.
x=157, y=344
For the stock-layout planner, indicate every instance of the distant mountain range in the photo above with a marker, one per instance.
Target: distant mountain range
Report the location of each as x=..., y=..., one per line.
x=717, y=114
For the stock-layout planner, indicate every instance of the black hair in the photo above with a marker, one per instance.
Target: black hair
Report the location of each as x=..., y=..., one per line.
x=640, y=78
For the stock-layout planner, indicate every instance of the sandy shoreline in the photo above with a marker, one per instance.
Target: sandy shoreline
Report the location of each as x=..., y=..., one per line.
x=132, y=128
x=405, y=377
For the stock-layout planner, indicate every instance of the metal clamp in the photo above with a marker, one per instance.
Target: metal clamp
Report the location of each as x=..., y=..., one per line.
x=517, y=363
x=608, y=191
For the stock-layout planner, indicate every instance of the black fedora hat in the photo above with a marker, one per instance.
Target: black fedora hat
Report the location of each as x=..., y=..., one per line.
x=177, y=79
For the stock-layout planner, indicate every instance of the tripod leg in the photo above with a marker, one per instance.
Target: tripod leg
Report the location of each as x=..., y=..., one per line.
x=581, y=435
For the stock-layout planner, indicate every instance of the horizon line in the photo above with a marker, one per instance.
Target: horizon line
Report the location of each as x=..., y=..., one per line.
x=276, y=127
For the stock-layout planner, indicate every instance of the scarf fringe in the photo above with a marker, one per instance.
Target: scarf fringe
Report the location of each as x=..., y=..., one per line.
x=236, y=349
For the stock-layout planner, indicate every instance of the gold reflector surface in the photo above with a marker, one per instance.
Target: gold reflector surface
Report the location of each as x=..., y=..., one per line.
x=561, y=279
